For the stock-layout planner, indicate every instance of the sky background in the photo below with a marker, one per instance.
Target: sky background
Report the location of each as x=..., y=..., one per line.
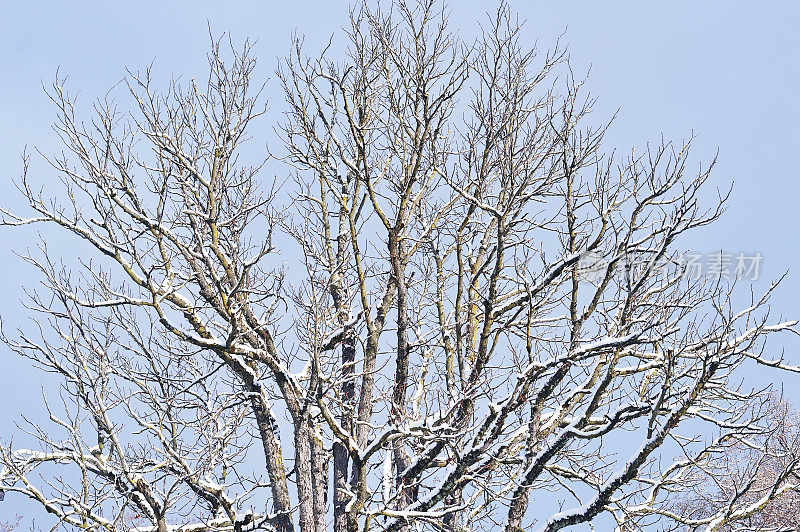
x=729, y=72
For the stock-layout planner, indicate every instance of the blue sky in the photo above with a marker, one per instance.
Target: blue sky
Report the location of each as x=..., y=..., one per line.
x=729, y=72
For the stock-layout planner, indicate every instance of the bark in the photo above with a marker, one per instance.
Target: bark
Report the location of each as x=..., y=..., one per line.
x=303, y=474
x=319, y=477
x=405, y=492
x=340, y=454
x=273, y=456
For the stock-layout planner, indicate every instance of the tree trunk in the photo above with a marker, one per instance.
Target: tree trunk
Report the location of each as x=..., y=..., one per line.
x=340, y=456
x=404, y=494
x=319, y=479
x=302, y=469
x=274, y=464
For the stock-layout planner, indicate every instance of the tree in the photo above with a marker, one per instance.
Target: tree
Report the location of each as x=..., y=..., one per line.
x=759, y=474
x=404, y=325
x=8, y=526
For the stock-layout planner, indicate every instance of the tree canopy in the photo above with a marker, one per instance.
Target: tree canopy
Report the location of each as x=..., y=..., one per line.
x=398, y=331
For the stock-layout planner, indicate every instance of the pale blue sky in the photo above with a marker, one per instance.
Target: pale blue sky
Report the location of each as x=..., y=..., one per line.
x=728, y=71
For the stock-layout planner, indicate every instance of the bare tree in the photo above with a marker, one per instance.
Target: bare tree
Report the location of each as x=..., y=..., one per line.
x=403, y=325
x=8, y=526
x=756, y=478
